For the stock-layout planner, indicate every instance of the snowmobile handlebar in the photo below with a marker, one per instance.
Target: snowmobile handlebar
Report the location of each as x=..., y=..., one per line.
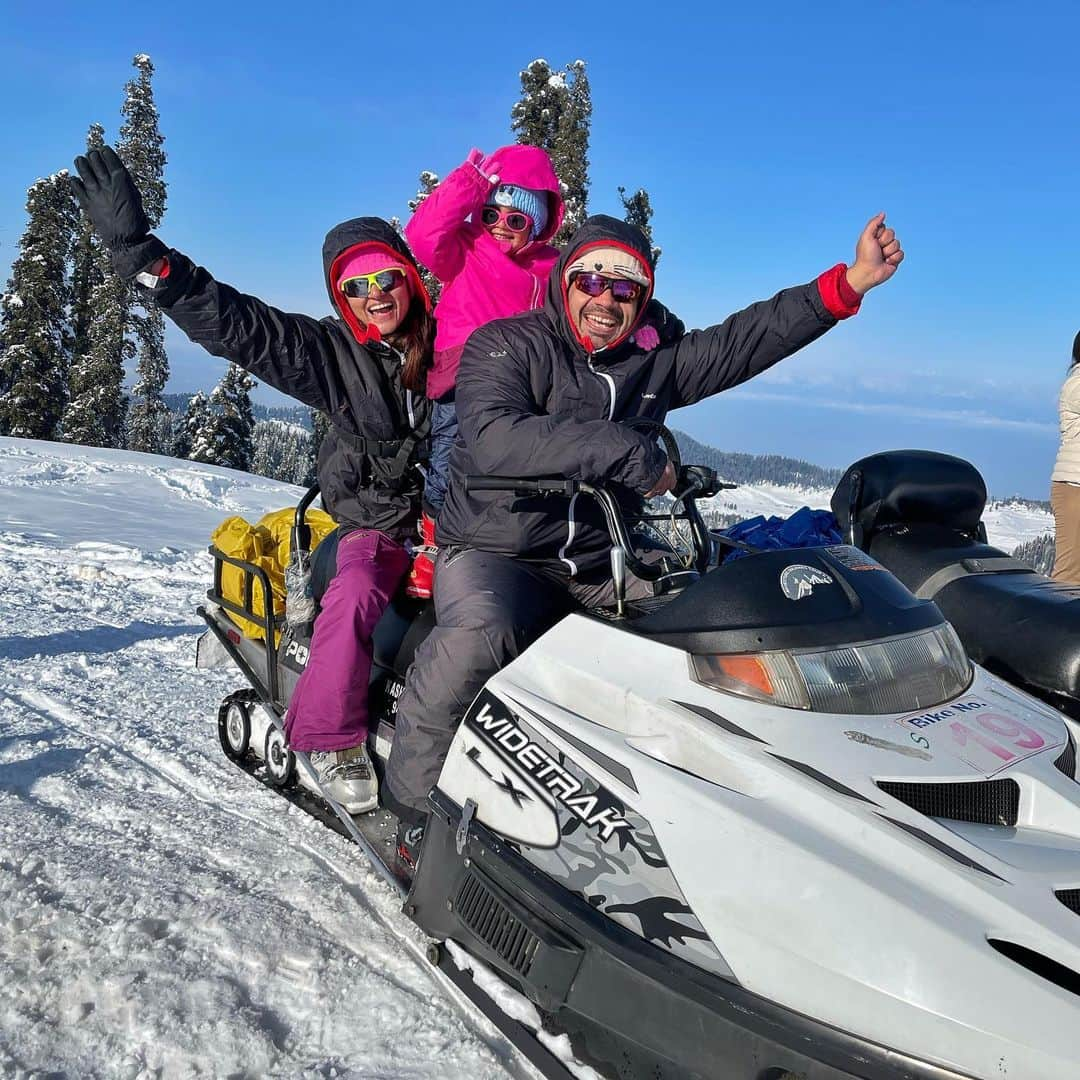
x=693, y=482
x=523, y=486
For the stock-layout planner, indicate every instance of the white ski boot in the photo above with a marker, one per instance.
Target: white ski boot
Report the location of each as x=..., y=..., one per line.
x=346, y=776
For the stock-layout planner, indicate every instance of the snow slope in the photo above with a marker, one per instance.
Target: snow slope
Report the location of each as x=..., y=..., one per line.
x=161, y=915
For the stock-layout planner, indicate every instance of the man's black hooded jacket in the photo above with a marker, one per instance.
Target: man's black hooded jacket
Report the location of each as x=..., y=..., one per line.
x=532, y=401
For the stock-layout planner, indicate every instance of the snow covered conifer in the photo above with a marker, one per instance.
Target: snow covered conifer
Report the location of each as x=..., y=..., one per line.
x=86, y=269
x=97, y=404
x=535, y=116
x=429, y=181
x=190, y=431
x=638, y=211
x=571, y=156
x=35, y=332
x=226, y=436
x=140, y=147
x=281, y=451
x=140, y=142
x=554, y=112
x=320, y=426
x=96, y=410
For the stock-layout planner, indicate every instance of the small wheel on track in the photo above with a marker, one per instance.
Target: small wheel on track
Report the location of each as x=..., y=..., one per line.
x=280, y=760
x=234, y=727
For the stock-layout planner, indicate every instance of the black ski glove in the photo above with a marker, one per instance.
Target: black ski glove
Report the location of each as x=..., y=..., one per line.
x=108, y=194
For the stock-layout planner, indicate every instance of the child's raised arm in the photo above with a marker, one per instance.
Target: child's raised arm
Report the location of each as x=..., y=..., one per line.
x=438, y=232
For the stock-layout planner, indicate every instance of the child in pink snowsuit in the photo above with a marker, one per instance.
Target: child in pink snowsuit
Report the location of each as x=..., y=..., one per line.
x=483, y=232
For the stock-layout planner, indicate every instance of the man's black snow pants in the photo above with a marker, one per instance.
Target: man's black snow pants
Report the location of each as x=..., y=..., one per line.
x=488, y=608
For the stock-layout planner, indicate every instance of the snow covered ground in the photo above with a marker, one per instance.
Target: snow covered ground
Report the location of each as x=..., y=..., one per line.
x=160, y=914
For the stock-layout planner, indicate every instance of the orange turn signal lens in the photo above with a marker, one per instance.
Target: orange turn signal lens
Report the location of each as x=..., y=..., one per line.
x=768, y=676
x=748, y=670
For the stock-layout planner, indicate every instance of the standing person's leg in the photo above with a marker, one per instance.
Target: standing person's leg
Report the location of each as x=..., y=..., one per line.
x=488, y=608
x=1065, y=502
x=328, y=712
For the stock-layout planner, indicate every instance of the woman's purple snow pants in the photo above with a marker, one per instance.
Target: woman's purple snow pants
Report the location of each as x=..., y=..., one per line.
x=329, y=707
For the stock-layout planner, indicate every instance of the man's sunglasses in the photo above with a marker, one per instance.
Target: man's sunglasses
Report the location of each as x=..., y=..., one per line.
x=360, y=286
x=514, y=220
x=596, y=285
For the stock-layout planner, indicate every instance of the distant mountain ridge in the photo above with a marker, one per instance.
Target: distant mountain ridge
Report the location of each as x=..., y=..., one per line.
x=738, y=468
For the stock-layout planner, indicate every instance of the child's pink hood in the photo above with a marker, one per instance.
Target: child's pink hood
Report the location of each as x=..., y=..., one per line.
x=480, y=280
x=529, y=166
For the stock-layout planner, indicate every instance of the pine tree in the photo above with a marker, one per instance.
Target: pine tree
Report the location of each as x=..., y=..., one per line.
x=638, y=211
x=281, y=451
x=225, y=438
x=97, y=405
x=86, y=270
x=320, y=427
x=1038, y=553
x=190, y=431
x=35, y=332
x=571, y=159
x=429, y=181
x=554, y=112
x=140, y=147
x=535, y=116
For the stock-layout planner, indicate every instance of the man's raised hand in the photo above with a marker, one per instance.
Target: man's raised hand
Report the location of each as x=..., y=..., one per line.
x=877, y=255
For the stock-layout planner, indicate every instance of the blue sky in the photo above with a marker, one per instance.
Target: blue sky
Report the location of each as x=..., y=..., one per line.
x=766, y=135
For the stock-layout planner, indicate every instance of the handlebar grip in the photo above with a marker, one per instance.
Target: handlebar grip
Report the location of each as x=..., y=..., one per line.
x=521, y=485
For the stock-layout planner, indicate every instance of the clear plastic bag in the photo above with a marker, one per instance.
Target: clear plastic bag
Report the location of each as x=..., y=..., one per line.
x=299, y=598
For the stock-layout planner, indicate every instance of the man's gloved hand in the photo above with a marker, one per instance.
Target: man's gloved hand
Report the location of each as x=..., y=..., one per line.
x=106, y=191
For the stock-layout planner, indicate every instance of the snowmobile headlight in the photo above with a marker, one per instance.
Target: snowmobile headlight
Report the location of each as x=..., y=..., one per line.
x=890, y=675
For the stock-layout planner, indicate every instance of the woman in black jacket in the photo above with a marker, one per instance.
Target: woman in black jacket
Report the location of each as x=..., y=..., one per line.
x=365, y=368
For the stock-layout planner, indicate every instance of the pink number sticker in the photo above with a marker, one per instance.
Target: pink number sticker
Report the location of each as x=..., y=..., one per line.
x=1020, y=734
x=962, y=733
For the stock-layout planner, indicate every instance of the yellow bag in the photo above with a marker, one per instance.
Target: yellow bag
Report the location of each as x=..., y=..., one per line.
x=266, y=545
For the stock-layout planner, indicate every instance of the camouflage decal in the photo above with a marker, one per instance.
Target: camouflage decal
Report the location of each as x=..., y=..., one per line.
x=607, y=854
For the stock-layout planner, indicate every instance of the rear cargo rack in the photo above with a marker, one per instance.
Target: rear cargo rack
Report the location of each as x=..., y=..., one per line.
x=269, y=623
x=266, y=620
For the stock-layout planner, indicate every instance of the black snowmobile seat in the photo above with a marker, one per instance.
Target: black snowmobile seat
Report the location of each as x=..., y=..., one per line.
x=905, y=487
x=918, y=513
x=1012, y=620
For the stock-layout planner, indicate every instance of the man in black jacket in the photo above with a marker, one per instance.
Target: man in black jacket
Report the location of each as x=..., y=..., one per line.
x=544, y=394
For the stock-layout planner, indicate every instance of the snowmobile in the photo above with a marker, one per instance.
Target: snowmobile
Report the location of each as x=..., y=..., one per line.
x=919, y=513
x=771, y=823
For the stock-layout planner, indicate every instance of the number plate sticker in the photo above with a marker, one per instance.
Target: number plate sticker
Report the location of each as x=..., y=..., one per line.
x=989, y=737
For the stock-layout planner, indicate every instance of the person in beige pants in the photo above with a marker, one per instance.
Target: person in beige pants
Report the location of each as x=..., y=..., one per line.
x=1065, y=482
